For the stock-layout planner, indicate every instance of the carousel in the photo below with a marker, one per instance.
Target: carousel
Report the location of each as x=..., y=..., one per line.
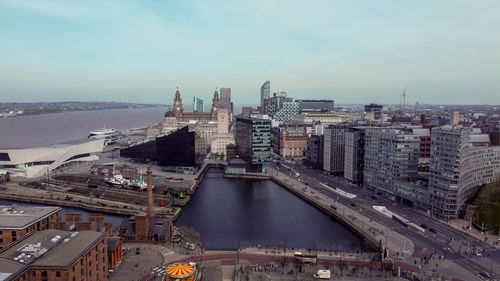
x=180, y=272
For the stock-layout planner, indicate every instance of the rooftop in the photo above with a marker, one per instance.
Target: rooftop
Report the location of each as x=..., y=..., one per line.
x=8, y=268
x=19, y=217
x=48, y=248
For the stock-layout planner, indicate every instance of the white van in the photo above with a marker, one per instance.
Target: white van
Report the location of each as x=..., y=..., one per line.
x=322, y=274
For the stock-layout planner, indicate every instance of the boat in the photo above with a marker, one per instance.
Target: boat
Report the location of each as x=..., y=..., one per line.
x=116, y=180
x=101, y=133
x=139, y=183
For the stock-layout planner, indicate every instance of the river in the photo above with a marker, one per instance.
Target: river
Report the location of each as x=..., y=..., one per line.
x=56, y=128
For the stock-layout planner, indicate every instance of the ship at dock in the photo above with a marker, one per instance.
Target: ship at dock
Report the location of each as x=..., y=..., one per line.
x=102, y=133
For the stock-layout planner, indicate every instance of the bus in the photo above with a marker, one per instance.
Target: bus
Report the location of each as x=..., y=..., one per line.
x=305, y=258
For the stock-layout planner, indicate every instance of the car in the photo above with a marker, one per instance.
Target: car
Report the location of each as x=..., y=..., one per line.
x=432, y=230
x=137, y=250
x=92, y=185
x=353, y=204
x=424, y=226
x=373, y=197
x=485, y=274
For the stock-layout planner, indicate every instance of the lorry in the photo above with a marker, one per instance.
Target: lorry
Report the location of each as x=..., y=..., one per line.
x=322, y=274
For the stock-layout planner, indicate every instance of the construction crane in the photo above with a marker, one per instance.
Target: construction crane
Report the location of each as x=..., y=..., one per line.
x=402, y=100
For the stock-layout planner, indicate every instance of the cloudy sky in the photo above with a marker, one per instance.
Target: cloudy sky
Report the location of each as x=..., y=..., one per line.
x=349, y=51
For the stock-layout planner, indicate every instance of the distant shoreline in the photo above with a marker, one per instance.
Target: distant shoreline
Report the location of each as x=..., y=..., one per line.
x=84, y=110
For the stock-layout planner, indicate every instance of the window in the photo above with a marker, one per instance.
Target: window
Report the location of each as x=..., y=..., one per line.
x=58, y=274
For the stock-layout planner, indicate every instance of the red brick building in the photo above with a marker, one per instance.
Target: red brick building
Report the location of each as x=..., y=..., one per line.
x=73, y=222
x=56, y=255
x=17, y=221
x=293, y=141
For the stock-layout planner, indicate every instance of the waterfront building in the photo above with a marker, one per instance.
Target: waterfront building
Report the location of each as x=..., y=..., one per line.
x=314, y=152
x=231, y=151
x=457, y=169
x=225, y=98
x=95, y=222
x=376, y=109
x=354, y=153
x=183, y=116
x=223, y=138
x=176, y=151
x=333, y=153
x=17, y=221
x=36, y=162
x=293, y=141
x=198, y=105
x=265, y=92
x=315, y=105
x=206, y=132
x=253, y=138
x=391, y=164
x=56, y=255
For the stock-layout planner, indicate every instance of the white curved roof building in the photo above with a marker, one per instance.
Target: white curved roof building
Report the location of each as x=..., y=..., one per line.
x=34, y=162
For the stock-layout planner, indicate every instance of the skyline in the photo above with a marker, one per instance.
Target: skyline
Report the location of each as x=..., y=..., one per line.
x=352, y=52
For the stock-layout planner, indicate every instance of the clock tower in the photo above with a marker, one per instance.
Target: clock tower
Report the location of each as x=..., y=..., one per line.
x=215, y=104
x=177, y=108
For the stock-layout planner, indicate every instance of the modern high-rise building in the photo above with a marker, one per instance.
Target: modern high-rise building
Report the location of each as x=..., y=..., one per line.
x=354, y=148
x=265, y=92
x=287, y=111
x=280, y=107
x=391, y=164
x=225, y=98
x=333, y=158
x=376, y=109
x=315, y=105
x=315, y=144
x=253, y=138
x=198, y=105
x=457, y=169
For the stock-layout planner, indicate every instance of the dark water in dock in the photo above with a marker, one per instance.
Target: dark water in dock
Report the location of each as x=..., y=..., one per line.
x=225, y=210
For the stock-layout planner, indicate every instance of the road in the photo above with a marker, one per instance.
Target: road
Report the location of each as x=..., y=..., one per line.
x=448, y=242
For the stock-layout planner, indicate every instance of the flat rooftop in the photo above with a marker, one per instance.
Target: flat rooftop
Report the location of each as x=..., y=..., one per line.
x=20, y=217
x=48, y=248
x=8, y=268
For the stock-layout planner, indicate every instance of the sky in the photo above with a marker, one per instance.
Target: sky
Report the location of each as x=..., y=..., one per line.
x=352, y=51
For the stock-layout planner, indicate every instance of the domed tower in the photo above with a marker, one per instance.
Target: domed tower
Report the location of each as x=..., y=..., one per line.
x=215, y=105
x=177, y=110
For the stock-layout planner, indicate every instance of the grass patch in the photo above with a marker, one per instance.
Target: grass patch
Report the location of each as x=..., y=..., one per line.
x=488, y=210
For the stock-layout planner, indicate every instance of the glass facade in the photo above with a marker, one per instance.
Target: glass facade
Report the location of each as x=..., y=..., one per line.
x=175, y=150
x=253, y=138
x=265, y=92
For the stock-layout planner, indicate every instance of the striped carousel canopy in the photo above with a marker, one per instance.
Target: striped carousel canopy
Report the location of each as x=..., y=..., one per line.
x=180, y=270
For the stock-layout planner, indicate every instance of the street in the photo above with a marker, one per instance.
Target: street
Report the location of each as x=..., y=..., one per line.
x=452, y=244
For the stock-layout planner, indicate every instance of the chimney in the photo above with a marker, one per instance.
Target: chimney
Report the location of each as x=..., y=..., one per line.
x=149, y=207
